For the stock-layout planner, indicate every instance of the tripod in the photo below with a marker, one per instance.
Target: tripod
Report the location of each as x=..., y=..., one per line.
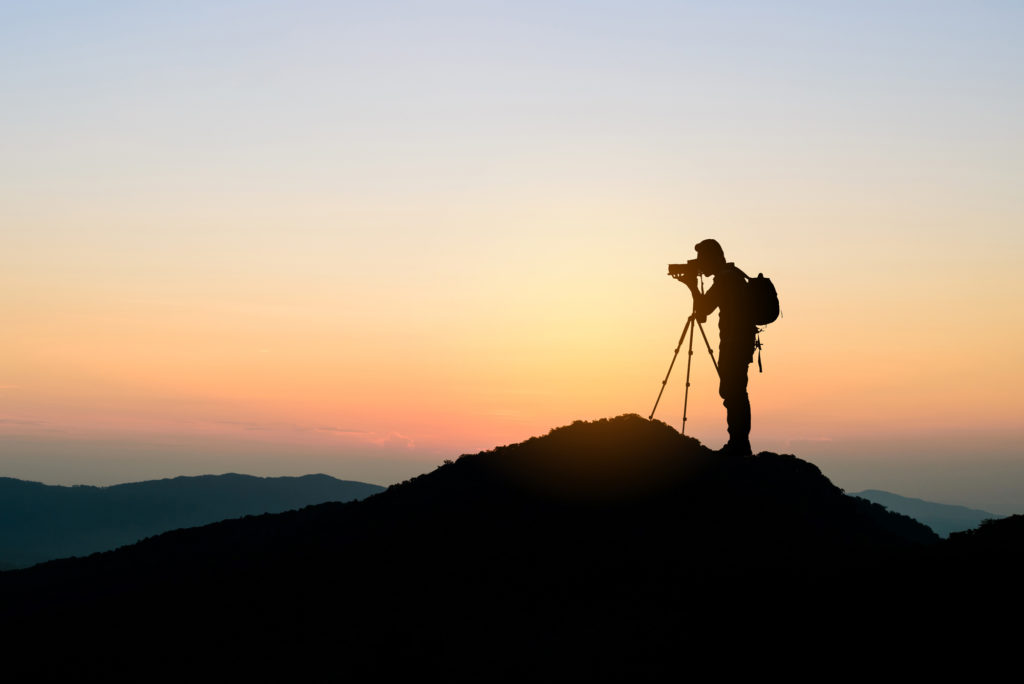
x=689, y=361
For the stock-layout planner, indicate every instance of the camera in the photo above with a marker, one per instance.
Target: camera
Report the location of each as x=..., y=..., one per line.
x=681, y=270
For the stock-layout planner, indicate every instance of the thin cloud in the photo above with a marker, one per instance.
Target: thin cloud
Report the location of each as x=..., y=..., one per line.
x=395, y=438
x=341, y=431
x=20, y=421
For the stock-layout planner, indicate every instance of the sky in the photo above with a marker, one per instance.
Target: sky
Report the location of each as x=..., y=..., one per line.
x=362, y=238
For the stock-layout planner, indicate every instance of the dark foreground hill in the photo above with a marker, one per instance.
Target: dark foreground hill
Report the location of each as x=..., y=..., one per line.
x=609, y=549
x=41, y=522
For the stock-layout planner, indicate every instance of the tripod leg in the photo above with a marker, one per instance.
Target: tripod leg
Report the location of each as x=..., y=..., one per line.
x=678, y=347
x=708, y=345
x=689, y=362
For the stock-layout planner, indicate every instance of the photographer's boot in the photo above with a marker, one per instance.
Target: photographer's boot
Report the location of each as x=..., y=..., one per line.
x=736, y=447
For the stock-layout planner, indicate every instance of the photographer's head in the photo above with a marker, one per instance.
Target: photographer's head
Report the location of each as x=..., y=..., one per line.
x=710, y=256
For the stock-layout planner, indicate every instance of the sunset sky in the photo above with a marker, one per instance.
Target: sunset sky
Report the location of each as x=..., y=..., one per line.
x=361, y=238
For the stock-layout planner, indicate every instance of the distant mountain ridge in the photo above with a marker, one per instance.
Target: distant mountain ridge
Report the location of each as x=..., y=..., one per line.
x=944, y=519
x=41, y=522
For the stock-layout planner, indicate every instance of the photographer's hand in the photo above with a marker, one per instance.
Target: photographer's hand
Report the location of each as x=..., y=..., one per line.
x=689, y=279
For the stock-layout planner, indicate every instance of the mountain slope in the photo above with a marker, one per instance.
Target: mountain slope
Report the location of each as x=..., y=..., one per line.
x=40, y=522
x=944, y=519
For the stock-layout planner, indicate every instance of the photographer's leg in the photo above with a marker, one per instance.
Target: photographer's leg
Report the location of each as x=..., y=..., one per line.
x=732, y=368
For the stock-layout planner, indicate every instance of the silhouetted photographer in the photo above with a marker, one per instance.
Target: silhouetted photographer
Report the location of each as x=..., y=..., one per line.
x=743, y=303
x=736, y=334
x=736, y=328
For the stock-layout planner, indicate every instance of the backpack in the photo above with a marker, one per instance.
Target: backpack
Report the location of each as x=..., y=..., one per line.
x=763, y=299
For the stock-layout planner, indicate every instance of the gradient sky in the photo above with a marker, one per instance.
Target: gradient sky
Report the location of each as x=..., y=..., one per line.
x=359, y=238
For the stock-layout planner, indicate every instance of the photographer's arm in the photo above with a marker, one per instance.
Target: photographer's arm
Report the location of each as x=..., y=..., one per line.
x=703, y=302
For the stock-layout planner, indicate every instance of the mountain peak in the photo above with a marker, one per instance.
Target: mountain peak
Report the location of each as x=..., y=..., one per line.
x=647, y=473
